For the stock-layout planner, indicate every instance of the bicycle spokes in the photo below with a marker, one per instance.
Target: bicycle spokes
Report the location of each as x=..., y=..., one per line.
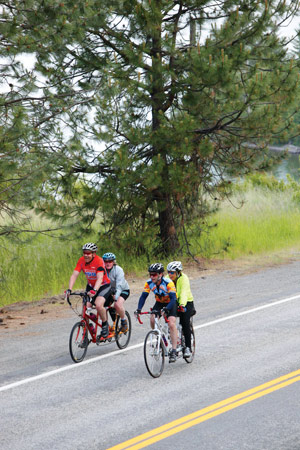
x=154, y=354
x=78, y=342
x=123, y=335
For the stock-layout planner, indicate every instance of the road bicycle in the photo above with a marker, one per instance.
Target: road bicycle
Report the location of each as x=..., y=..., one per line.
x=88, y=329
x=157, y=344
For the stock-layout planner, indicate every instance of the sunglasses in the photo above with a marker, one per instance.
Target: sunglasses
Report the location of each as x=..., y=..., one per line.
x=87, y=253
x=111, y=261
x=153, y=274
x=171, y=272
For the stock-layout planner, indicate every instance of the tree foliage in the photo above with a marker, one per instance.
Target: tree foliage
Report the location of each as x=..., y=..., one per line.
x=25, y=133
x=144, y=109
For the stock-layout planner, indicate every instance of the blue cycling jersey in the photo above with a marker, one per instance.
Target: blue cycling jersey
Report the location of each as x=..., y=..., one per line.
x=165, y=292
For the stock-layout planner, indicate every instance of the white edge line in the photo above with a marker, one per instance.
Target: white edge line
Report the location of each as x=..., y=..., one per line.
x=248, y=311
x=133, y=347
x=65, y=368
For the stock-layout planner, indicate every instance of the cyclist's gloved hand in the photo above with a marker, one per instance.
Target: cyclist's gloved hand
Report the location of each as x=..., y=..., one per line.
x=181, y=309
x=137, y=312
x=165, y=311
x=92, y=293
x=67, y=293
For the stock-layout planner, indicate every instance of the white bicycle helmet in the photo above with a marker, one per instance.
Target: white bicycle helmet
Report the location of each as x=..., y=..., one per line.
x=174, y=266
x=90, y=246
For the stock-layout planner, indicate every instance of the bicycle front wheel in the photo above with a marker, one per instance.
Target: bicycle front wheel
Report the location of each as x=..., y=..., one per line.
x=123, y=336
x=154, y=354
x=193, y=345
x=78, y=342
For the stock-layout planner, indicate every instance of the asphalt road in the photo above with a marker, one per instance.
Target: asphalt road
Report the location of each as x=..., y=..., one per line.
x=241, y=391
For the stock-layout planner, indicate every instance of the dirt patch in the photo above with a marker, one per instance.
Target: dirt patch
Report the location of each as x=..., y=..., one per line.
x=21, y=315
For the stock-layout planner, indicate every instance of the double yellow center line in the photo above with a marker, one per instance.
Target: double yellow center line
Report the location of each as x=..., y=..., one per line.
x=207, y=413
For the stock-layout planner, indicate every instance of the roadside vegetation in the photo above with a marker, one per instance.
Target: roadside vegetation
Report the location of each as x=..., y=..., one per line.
x=262, y=216
x=160, y=103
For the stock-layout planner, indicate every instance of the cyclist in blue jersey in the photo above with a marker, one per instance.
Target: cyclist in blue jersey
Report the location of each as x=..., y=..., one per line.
x=165, y=296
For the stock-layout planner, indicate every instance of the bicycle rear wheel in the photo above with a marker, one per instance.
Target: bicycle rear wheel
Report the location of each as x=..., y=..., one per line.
x=154, y=354
x=78, y=342
x=123, y=337
x=193, y=345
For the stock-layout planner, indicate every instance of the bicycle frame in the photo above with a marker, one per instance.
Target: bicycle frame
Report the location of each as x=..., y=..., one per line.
x=158, y=327
x=165, y=338
x=83, y=332
x=87, y=318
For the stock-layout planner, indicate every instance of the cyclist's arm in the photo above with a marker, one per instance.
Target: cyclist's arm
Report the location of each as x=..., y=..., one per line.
x=142, y=300
x=73, y=278
x=120, y=281
x=172, y=302
x=98, y=283
x=183, y=291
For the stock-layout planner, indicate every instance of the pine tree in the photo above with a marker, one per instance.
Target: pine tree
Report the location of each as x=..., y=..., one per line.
x=150, y=106
x=16, y=174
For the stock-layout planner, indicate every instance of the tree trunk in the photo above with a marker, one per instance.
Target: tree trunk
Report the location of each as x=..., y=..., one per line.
x=169, y=239
x=168, y=235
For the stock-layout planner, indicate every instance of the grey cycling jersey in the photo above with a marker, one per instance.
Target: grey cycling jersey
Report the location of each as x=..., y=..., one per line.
x=117, y=280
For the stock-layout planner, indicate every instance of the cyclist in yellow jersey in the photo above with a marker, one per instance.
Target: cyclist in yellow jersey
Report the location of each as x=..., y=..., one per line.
x=185, y=301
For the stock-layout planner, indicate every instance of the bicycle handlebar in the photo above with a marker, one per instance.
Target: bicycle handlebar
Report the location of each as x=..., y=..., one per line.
x=157, y=314
x=83, y=295
x=138, y=316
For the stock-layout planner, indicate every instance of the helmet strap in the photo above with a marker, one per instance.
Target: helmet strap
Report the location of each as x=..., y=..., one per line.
x=160, y=275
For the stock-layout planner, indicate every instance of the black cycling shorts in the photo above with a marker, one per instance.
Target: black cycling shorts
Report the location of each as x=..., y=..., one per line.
x=103, y=291
x=158, y=306
x=125, y=294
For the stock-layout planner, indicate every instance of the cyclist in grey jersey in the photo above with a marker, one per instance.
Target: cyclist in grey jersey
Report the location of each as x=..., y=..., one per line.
x=117, y=280
x=119, y=285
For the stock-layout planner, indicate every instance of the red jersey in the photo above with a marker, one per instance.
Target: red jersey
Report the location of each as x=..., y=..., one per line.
x=90, y=269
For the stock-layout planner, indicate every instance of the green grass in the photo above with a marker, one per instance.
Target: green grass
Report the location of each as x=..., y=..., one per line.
x=31, y=271
x=41, y=267
x=268, y=221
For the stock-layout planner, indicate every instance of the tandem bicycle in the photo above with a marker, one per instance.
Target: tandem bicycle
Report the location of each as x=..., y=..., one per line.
x=157, y=344
x=88, y=329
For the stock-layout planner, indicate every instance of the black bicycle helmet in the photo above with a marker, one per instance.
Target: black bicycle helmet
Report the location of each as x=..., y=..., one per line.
x=156, y=268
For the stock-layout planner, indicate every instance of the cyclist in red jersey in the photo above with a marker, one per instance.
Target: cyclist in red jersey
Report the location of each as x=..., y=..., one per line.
x=98, y=287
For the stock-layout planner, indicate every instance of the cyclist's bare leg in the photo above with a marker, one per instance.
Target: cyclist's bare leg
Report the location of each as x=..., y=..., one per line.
x=119, y=307
x=173, y=331
x=152, y=321
x=99, y=303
